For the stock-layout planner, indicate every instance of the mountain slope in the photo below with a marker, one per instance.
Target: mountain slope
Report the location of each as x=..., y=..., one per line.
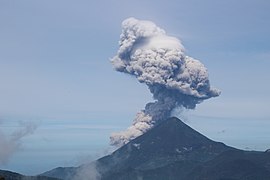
x=169, y=142
x=237, y=164
x=172, y=151
x=61, y=172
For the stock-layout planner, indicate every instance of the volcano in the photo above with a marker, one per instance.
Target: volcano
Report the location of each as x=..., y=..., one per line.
x=172, y=150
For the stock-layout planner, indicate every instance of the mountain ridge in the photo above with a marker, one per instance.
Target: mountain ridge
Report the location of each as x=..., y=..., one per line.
x=170, y=142
x=171, y=138
x=172, y=150
x=9, y=175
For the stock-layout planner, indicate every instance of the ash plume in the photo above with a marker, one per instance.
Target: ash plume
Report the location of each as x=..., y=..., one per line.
x=158, y=60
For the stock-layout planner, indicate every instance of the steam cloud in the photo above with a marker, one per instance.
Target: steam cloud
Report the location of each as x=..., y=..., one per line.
x=159, y=61
x=11, y=144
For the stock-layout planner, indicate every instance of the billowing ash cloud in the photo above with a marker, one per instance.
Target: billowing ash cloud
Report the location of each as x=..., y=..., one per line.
x=158, y=60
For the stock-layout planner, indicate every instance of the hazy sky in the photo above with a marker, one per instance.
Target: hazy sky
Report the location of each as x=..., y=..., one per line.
x=55, y=72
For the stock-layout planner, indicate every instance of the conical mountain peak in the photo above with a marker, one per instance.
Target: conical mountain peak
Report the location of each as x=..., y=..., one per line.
x=171, y=140
x=172, y=133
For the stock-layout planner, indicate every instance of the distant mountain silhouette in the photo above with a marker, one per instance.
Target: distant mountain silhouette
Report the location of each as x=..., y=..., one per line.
x=8, y=175
x=172, y=151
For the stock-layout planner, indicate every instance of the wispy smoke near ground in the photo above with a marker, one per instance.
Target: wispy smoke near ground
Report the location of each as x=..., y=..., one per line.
x=87, y=172
x=158, y=60
x=10, y=144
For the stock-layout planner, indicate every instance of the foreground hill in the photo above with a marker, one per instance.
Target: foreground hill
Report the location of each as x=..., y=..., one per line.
x=172, y=151
x=8, y=175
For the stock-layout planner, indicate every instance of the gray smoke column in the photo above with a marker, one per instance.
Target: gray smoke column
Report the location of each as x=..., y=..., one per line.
x=10, y=144
x=158, y=60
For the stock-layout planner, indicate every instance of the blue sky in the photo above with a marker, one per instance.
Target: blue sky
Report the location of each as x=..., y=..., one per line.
x=55, y=72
